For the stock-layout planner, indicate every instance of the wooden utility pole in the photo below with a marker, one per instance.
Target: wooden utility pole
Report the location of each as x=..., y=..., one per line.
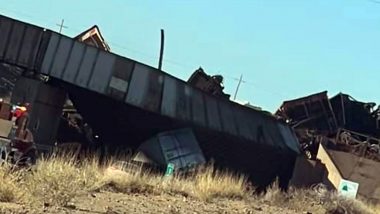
x=237, y=88
x=61, y=26
x=161, y=50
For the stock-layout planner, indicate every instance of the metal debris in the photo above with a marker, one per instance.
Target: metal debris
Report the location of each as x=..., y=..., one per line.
x=340, y=137
x=209, y=84
x=340, y=120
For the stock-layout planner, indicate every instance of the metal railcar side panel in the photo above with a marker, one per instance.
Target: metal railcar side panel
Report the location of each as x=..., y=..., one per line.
x=28, y=53
x=212, y=113
x=227, y=116
x=5, y=29
x=15, y=42
x=145, y=88
x=241, y=116
x=102, y=72
x=198, y=107
x=121, y=77
x=61, y=56
x=74, y=62
x=50, y=54
x=87, y=66
x=169, y=96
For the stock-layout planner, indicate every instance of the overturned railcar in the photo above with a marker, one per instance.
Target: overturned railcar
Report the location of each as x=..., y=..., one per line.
x=127, y=102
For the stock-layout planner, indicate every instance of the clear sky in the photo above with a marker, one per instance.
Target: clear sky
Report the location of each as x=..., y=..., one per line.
x=283, y=48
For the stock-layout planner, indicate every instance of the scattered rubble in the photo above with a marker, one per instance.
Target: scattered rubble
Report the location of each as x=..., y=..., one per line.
x=210, y=84
x=340, y=136
x=345, y=121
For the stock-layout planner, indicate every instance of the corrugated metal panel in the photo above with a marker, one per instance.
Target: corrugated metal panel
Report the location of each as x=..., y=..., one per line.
x=74, y=62
x=61, y=57
x=30, y=46
x=183, y=102
x=243, y=124
x=87, y=66
x=256, y=123
x=212, y=113
x=267, y=133
x=198, y=107
x=15, y=42
x=274, y=134
x=19, y=43
x=181, y=148
x=102, y=72
x=5, y=29
x=168, y=105
x=139, y=84
x=50, y=53
x=150, y=151
x=121, y=76
x=253, y=125
x=145, y=88
x=176, y=99
x=227, y=116
x=289, y=137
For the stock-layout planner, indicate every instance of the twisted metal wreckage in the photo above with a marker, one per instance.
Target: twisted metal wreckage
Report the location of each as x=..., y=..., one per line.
x=132, y=107
x=341, y=138
x=341, y=121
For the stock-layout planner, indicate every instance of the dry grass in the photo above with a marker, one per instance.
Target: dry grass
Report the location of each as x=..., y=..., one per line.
x=9, y=191
x=132, y=182
x=204, y=185
x=57, y=180
x=212, y=183
x=318, y=201
x=375, y=208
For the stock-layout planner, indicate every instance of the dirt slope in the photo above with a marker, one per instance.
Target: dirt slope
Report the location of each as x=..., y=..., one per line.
x=118, y=203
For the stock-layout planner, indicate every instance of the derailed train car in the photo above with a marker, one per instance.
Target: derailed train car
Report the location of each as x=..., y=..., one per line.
x=340, y=136
x=340, y=118
x=127, y=102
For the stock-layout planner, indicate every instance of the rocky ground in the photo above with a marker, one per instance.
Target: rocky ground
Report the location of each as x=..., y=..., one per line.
x=117, y=203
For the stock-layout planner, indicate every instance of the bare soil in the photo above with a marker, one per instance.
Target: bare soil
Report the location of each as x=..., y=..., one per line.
x=117, y=203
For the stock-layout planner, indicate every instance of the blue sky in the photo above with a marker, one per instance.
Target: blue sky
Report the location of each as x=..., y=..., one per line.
x=283, y=49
